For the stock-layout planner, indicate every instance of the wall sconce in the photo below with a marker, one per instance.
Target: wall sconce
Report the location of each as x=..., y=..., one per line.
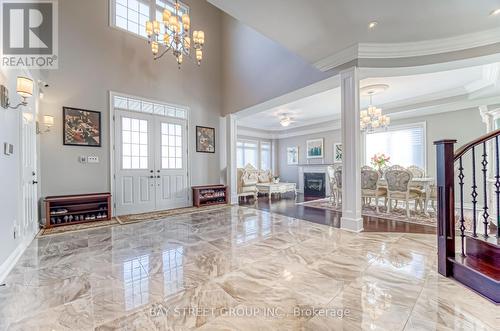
x=24, y=89
x=48, y=121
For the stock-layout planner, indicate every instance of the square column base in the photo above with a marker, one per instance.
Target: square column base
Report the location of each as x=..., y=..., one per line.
x=351, y=224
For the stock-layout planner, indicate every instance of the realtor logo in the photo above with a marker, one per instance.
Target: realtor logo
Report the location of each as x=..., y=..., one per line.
x=29, y=34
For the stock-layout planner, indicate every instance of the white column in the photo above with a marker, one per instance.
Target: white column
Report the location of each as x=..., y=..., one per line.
x=351, y=142
x=231, y=167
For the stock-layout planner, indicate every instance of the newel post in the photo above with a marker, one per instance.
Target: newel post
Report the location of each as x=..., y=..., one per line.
x=446, y=204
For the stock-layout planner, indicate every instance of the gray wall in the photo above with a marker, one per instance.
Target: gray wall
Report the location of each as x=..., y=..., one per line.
x=94, y=59
x=463, y=125
x=9, y=169
x=290, y=173
x=257, y=69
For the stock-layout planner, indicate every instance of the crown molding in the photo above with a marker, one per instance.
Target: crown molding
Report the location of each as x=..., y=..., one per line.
x=409, y=49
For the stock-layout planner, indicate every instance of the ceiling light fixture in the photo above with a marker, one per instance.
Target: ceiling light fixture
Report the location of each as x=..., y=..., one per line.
x=285, y=120
x=176, y=36
x=372, y=118
x=495, y=12
x=372, y=25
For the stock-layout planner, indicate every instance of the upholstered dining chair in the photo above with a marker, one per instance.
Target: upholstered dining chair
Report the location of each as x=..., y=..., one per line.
x=331, y=180
x=417, y=172
x=338, y=185
x=369, y=186
x=398, y=188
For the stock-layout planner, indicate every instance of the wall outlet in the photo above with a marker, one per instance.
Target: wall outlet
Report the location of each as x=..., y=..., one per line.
x=93, y=159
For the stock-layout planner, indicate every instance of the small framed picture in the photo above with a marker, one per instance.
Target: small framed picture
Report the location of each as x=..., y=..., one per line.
x=315, y=148
x=292, y=155
x=337, y=153
x=205, y=139
x=81, y=127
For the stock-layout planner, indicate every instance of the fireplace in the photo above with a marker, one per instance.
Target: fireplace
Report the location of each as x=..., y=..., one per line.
x=314, y=184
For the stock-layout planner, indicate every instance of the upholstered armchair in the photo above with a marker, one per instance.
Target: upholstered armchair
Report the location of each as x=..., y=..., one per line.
x=370, y=188
x=338, y=185
x=248, y=178
x=398, y=188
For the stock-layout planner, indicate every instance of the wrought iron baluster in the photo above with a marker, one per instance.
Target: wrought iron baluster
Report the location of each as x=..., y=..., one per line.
x=497, y=185
x=462, y=221
x=474, y=194
x=485, y=190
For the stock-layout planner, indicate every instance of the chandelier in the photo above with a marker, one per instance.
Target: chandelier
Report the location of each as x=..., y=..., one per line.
x=372, y=118
x=175, y=36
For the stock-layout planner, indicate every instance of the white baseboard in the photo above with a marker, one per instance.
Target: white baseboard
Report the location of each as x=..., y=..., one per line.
x=351, y=224
x=11, y=261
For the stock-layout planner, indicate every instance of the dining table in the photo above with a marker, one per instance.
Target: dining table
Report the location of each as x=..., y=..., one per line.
x=424, y=182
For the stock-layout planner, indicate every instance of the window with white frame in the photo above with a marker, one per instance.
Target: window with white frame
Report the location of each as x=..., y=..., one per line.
x=132, y=15
x=247, y=153
x=405, y=145
x=254, y=152
x=265, y=155
x=141, y=106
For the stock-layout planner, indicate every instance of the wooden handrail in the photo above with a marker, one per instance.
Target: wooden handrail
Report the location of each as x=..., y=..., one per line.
x=462, y=150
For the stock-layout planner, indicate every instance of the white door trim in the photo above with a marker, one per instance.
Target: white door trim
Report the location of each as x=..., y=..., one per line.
x=112, y=161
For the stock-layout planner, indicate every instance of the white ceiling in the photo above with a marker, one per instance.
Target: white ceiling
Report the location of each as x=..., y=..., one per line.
x=316, y=29
x=403, y=91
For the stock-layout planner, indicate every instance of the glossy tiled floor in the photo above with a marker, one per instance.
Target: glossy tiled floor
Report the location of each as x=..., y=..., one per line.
x=236, y=269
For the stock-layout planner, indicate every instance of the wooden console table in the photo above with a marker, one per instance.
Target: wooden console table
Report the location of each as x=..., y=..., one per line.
x=76, y=209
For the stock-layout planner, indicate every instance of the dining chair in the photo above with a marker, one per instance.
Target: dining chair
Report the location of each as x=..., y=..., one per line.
x=417, y=172
x=398, y=188
x=369, y=186
x=338, y=185
x=331, y=180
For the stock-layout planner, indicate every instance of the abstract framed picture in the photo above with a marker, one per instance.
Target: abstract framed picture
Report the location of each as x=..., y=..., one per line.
x=81, y=127
x=315, y=148
x=337, y=153
x=292, y=155
x=205, y=139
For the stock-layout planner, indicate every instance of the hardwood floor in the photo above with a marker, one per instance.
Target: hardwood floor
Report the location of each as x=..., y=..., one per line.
x=287, y=206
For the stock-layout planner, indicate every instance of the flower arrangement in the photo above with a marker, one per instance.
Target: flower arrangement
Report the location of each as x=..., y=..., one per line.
x=380, y=161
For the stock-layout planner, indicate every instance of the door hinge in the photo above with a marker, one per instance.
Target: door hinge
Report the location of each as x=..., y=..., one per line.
x=114, y=205
x=113, y=117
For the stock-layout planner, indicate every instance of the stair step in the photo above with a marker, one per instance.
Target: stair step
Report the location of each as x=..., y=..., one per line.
x=480, y=266
x=483, y=251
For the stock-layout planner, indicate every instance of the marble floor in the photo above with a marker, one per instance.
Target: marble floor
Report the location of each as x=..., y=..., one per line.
x=236, y=269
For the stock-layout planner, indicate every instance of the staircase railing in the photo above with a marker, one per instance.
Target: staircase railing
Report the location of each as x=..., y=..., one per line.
x=473, y=169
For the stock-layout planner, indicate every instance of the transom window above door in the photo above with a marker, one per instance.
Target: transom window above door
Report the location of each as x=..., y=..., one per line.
x=141, y=106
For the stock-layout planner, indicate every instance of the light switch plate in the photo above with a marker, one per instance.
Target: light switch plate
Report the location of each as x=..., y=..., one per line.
x=6, y=148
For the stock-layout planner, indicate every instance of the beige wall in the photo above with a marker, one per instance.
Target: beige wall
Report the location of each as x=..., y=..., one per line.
x=94, y=59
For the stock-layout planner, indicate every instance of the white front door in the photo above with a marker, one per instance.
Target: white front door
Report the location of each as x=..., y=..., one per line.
x=171, y=161
x=134, y=163
x=29, y=175
x=150, y=163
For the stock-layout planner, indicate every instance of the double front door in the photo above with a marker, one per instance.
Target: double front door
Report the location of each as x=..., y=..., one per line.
x=150, y=163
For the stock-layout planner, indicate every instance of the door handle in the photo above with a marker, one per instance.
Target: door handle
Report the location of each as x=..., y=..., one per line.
x=35, y=182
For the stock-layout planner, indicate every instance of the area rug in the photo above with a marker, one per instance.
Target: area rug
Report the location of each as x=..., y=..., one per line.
x=397, y=214
x=128, y=219
x=76, y=227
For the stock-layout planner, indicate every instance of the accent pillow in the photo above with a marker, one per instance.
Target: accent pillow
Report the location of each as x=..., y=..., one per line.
x=264, y=178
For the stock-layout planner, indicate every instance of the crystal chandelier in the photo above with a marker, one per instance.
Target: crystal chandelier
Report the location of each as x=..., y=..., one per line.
x=372, y=118
x=176, y=36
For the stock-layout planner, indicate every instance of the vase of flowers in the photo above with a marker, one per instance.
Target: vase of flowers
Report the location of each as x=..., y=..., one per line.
x=380, y=161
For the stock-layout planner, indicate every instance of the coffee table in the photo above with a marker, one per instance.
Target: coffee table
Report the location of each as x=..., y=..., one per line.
x=277, y=188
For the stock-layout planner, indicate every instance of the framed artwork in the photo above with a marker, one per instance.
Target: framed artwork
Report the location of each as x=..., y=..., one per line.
x=315, y=148
x=337, y=153
x=292, y=155
x=81, y=127
x=205, y=139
